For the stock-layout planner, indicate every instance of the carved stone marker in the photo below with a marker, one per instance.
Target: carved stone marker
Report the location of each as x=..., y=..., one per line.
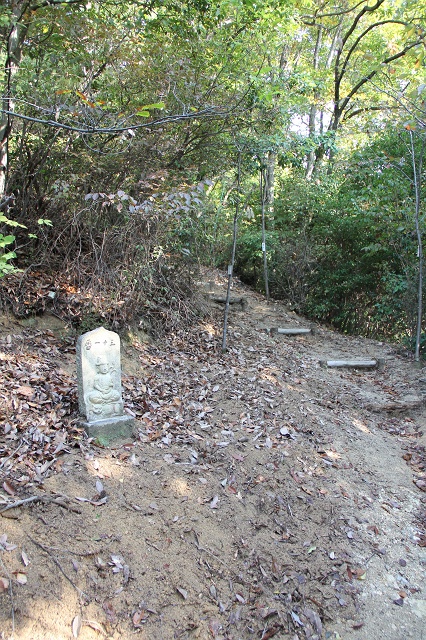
x=99, y=385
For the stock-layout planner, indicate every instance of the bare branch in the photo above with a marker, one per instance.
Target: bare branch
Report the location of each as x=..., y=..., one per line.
x=52, y=3
x=337, y=76
x=85, y=130
x=332, y=14
x=356, y=112
x=405, y=104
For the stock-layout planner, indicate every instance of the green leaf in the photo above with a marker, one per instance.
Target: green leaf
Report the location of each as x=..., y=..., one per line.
x=155, y=105
x=5, y=240
x=45, y=221
x=144, y=110
x=8, y=256
x=11, y=223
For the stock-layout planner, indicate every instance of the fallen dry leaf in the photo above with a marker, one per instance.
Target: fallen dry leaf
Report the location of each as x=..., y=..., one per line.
x=76, y=626
x=270, y=632
x=138, y=617
x=4, y=584
x=314, y=619
x=21, y=578
x=358, y=625
x=8, y=488
x=95, y=626
x=25, y=391
x=5, y=545
x=374, y=529
x=110, y=611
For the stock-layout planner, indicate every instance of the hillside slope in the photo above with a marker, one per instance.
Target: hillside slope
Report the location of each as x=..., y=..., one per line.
x=263, y=495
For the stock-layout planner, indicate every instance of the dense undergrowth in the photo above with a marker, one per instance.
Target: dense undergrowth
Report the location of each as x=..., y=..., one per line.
x=131, y=134
x=344, y=250
x=107, y=247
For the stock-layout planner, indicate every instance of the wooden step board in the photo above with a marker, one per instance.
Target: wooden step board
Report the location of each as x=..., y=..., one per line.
x=291, y=331
x=377, y=363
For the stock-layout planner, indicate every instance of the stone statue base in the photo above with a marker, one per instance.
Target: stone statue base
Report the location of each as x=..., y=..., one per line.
x=110, y=429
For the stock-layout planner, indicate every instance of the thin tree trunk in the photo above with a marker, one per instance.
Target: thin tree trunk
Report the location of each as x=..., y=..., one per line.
x=15, y=40
x=316, y=155
x=313, y=109
x=234, y=246
x=262, y=181
x=270, y=185
x=417, y=172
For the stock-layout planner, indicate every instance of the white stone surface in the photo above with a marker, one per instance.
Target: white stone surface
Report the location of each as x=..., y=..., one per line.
x=99, y=375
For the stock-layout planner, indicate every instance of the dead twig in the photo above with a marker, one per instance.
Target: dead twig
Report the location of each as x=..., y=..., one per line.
x=200, y=548
x=151, y=544
x=19, y=503
x=60, y=500
x=58, y=564
x=83, y=554
x=3, y=462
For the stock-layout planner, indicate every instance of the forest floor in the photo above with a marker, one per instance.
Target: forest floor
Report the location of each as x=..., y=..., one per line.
x=262, y=495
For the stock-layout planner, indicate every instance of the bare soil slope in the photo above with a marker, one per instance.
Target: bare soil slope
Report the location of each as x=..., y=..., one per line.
x=262, y=496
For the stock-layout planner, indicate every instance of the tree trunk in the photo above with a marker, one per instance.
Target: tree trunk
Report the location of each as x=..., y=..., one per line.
x=262, y=183
x=313, y=109
x=316, y=156
x=270, y=185
x=417, y=173
x=312, y=155
x=234, y=247
x=17, y=32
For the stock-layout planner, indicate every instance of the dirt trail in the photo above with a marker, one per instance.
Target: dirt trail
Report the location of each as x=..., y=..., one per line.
x=264, y=496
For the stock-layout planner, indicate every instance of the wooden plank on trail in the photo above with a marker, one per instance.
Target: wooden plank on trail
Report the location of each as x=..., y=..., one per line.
x=291, y=331
x=401, y=406
x=354, y=364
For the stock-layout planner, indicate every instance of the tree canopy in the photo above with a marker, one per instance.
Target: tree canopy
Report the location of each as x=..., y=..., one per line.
x=123, y=123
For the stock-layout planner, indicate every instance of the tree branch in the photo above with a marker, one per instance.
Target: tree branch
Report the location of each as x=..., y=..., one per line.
x=352, y=114
x=359, y=84
x=52, y=3
x=409, y=106
x=85, y=130
x=331, y=15
x=337, y=79
x=360, y=37
x=358, y=18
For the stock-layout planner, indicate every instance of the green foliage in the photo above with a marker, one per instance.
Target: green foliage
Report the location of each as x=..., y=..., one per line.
x=138, y=210
x=6, y=256
x=343, y=249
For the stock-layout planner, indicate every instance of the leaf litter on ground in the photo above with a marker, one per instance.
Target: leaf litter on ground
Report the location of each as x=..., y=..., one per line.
x=269, y=412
